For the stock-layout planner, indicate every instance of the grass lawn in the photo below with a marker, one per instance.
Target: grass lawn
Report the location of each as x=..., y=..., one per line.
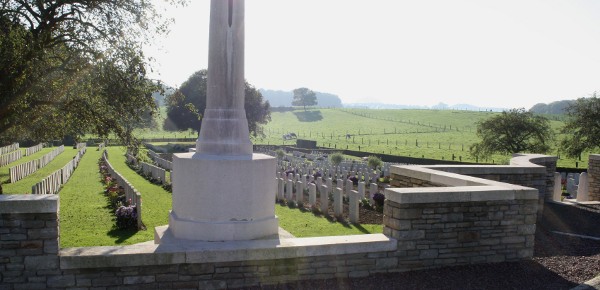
x=24, y=185
x=306, y=224
x=86, y=218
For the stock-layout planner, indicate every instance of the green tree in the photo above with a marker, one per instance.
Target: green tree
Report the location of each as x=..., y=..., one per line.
x=304, y=97
x=185, y=106
x=374, y=162
x=513, y=131
x=74, y=67
x=336, y=158
x=582, y=127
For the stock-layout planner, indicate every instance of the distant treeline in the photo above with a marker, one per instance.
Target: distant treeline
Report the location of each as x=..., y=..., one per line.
x=284, y=99
x=558, y=107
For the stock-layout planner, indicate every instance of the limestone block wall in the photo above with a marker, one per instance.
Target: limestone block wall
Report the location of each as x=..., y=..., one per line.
x=456, y=233
x=28, y=241
x=464, y=220
x=594, y=177
x=530, y=170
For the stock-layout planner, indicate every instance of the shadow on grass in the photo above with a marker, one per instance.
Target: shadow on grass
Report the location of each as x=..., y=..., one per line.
x=121, y=235
x=309, y=116
x=330, y=218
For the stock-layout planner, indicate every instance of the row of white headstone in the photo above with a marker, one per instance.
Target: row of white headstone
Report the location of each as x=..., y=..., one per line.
x=52, y=184
x=155, y=171
x=133, y=196
x=23, y=170
x=160, y=162
x=577, y=186
x=78, y=146
x=294, y=187
x=9, y=148
x=33, y=149
x=367, y=175
x=11, y=157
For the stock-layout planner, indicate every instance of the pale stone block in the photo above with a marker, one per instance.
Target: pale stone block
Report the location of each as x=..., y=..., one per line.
x=583, y=187
x=289, y=189
x=312, y=194
x=557, y=193
x=324, y=199
x=299, y=191
x=338, y=205
x=280, y=188
x=214, y=206
x=353, y=206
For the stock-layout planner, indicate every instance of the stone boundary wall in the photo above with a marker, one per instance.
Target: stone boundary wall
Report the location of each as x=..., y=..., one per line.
x=439, y=228
x=28, y=241
x=467, y=221
x=594, y=177
x=530, y=170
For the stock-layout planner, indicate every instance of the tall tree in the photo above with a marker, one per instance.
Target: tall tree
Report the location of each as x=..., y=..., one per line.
x=513, y=131
x=71, y=67
x=304, y=97
x=583, y=126
x=185, y=106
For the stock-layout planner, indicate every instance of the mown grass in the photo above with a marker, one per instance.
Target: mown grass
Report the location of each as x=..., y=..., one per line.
x=24, y=185
x=303, y=224
x=87, y=219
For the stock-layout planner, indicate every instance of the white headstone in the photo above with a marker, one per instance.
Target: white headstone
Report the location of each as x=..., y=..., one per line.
x=583, y=188
x=557, y=187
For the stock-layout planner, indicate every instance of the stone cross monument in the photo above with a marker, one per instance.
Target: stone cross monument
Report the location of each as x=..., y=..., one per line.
x=223, y=192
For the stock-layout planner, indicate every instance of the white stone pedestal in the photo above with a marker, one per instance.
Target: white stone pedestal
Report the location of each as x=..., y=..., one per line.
x=223, y=198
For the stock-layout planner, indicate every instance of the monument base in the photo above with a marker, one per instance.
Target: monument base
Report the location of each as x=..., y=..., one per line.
x=223, y=199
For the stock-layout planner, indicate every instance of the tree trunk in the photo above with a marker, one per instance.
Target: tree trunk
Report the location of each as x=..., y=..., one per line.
x=0, y=188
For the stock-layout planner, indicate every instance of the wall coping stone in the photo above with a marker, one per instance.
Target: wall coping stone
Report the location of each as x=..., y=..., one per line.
x=217, y=252
x=459, y=194
x=457, y=187
x=28, y=203
x=595, y=157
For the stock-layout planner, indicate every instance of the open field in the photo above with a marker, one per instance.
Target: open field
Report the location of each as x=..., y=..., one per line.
x=433, y=134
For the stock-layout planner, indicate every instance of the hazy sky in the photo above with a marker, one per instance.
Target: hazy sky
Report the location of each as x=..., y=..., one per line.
x=487, y=53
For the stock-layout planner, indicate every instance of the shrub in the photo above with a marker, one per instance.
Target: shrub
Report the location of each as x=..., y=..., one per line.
x=336, y=158
x=374, y=162
x=280, y=154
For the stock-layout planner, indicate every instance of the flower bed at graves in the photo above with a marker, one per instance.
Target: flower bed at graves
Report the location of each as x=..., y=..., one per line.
x=126, y=216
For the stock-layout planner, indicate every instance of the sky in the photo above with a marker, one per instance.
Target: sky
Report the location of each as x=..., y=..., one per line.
x=509, y=53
